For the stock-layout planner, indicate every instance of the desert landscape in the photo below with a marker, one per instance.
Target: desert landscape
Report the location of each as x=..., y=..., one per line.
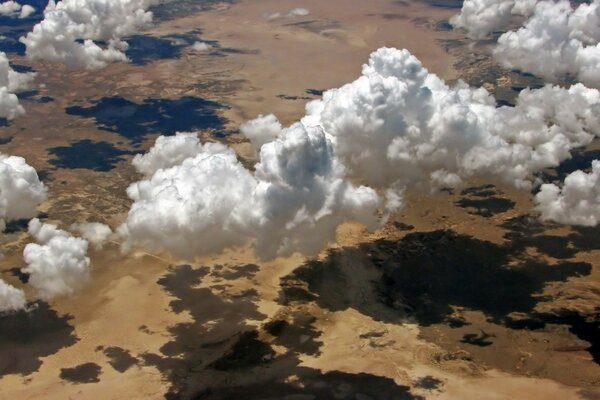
x=461, y=294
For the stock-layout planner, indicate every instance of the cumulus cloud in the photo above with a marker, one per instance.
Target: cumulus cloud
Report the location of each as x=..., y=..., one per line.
x=399, y=125
x=201, y=47
x=481, y=17
x=575, y=202
x=87, y=33
x=261, y=130
x=293, y=13
x=396, y=126
x=21, y=190
x=57, y=264
x=13, y=9
x=557, y=41
x=12, y=82
x=11, y=298
x=94, y=232
x=294, y=200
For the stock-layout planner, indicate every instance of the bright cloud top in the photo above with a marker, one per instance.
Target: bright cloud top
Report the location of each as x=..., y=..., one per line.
x=556, y=42
x=57, y=264
x=12, y=82
x=209, y=201
x=21, y=190
x=481, y=17
x=575, y=202
x=13, y=9
x=396, y=126
x=72, y=30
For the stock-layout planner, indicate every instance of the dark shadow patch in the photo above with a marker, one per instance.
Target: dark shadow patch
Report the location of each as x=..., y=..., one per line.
x=184, y=8
x=84, y=373
x=87, y=154
x=165, y=116
x=478, y=339
x=6, y=140
x=484, y=201
x=315, y=92
x=580, y=160
x=19, y=274
x=313, y=384
x=401, y=226
x=144, y=49
x=27, y=337
x=21, y=225
x=429, y=383
x=247, y=352
x=453, y=4
x=297, y=333
x=120, y=359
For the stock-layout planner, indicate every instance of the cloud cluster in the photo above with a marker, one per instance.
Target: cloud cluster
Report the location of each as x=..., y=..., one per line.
x=13, y=9
x=87, y=33
x=294, y=200
x=94, y=232
x=557, y=41
x=396, y=126
x=12, y=82
x=575, y=202
x=481, y=17
x=21, y=190
x=11, y=298
x=57, y=264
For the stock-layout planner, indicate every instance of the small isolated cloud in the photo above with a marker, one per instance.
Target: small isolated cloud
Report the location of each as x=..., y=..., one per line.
x=293, y=13
x=11, y=298
x=87, y=33
x=575, y=202
x=94, y=232
x=13, y=9
x=57, y=264
x=201, y=47
x=261, y=130
x=12, y=82
x=21, y=190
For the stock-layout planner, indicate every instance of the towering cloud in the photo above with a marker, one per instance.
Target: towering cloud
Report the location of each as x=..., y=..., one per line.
x=87, y=33
x=481, y=17
x=58, y=264
x=556, y=42
x=577, y=202
x=396, y=126
x=13, y=9
x=12, y=82
x=294, y=200
x=11, y=298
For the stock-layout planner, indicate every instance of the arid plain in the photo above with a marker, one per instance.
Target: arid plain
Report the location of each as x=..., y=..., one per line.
x=461, y=295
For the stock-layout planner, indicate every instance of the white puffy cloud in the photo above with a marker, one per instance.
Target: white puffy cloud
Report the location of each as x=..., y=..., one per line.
x=11, y=298
x=575, y=202
x=169, y=151
x=294, y=200
x=399, y=125
x=293, y=13
x=14, y=9
x=201, y=47
x=57, y=264
x=261, y=130
x=396, y=126
x=21, y=190
x=555, y=42
x=481, y=17
x=87, y=33
x=94, y=232
x=12, y=82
